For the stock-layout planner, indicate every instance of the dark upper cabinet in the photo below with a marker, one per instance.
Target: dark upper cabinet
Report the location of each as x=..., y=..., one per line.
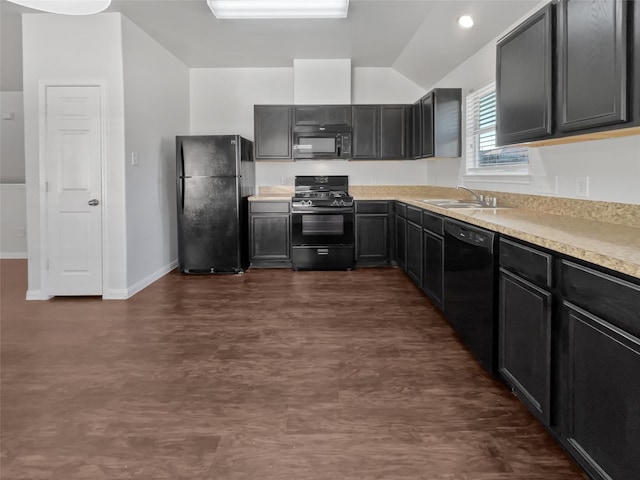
x=272, y=131
x=366, y=131
x=321, y=115
x=380, y=132
x=592, y=64
x=427, y=132
x=524, y=80
x=416, y=130
x=635, y=60
x=441, y=122
x=393, y=132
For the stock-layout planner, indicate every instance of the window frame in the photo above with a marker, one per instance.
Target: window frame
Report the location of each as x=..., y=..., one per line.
x=507, y=173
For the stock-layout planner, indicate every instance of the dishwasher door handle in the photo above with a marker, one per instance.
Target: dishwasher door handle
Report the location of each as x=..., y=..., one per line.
x=470, y=236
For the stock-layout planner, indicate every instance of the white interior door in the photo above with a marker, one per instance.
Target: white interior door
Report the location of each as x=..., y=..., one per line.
x=73, y=158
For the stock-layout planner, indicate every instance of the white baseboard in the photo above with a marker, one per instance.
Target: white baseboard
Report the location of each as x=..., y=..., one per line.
x=115, y=294
x=148, y=280
x=37, y=295
x=123, y=294
x=13, y=255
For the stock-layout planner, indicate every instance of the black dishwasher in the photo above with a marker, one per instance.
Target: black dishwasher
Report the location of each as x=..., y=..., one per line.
x=470, y=291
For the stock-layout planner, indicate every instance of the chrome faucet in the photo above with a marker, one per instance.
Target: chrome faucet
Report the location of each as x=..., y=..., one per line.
x=476, y=196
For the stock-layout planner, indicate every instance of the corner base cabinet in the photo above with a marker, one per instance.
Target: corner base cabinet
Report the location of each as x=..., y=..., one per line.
x=270, y=234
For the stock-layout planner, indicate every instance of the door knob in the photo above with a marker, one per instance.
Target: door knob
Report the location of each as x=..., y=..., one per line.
x=93, y=202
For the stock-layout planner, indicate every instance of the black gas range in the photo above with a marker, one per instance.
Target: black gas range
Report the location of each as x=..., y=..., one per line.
x=322, y=223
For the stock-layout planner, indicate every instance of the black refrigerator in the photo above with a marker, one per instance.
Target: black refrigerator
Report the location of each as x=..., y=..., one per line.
x=215, y=178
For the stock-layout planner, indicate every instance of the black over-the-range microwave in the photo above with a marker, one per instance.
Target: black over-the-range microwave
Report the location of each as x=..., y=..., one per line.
x=316, y=142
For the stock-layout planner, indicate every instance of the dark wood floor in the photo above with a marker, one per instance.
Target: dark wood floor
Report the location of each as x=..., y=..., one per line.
x=269, y=375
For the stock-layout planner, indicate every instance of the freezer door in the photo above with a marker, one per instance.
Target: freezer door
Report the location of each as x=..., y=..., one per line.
x=208, y=156
x=208, y=226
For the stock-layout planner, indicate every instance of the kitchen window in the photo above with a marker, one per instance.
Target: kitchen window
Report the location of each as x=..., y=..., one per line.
x=483, y=157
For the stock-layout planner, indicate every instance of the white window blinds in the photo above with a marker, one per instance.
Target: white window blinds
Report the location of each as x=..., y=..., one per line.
x=482, y=154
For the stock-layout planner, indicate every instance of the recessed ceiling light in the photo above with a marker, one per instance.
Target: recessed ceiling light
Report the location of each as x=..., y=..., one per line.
x=66, y=7
x=279, y=8
x=465, y=21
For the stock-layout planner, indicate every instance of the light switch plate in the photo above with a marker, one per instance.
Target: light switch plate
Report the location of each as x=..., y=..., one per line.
x=135, y=159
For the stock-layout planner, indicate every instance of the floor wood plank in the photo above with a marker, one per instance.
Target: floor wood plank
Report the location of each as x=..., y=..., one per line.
x=272, y=374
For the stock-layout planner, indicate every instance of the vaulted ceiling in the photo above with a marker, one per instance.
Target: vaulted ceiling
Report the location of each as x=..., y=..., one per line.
x=418, y=38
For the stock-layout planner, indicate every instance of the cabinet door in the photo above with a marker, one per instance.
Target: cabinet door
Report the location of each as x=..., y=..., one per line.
x=393, y=132
x=335, y=115
x=433, y=269
x=601, y=395
x=372, y=239
x=592, y=63
x=325, y=115
x=270, y=238
x=426, y=106
x=272, y=124
x=401, y=241
x=525, y=342
x=366, y=130
x=524, y=80
x=416, y=130
x=414, y=252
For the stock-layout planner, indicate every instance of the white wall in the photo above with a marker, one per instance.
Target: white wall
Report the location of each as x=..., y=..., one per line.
x=383, y=85
x=156, y=99
x=12, y=138
x=319, y=81
x=612, y=165
x=13, y=212
x=222, y=99
x=67, y=49
x=222, y=102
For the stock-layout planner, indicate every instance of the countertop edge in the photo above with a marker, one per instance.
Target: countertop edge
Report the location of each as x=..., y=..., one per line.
x=591, y=255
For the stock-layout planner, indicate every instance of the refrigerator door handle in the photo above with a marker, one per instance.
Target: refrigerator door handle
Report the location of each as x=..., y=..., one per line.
x=181, y=172
x=181, y=193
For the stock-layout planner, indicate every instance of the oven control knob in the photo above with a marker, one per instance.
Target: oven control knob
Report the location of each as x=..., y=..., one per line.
x=342, y=203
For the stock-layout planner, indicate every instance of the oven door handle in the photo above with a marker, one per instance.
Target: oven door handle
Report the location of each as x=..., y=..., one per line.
x=322, y=251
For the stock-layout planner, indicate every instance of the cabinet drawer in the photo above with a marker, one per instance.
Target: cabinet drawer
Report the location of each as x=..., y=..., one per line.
x=372, y=207
x=613, y=299
x=269, y=207
x=432, y=222
x=401, y=210
x=527, y=262
x=414, y=215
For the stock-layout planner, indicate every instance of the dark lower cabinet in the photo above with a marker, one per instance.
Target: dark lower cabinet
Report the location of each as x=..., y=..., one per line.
x=592, y=63
x=600, y=370
x=525, y=342
x=372, y=233
x=400, y=240
x=414, y=253
x=433, y=267
x=270, y=234
x=601, y=395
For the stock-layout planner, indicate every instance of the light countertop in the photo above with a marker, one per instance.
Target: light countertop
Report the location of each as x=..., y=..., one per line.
x=609, y=245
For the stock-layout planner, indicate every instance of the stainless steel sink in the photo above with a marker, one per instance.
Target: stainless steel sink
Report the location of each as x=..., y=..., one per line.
x=450, y=203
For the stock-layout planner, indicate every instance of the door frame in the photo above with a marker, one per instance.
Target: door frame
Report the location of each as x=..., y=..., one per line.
x=43, y=84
